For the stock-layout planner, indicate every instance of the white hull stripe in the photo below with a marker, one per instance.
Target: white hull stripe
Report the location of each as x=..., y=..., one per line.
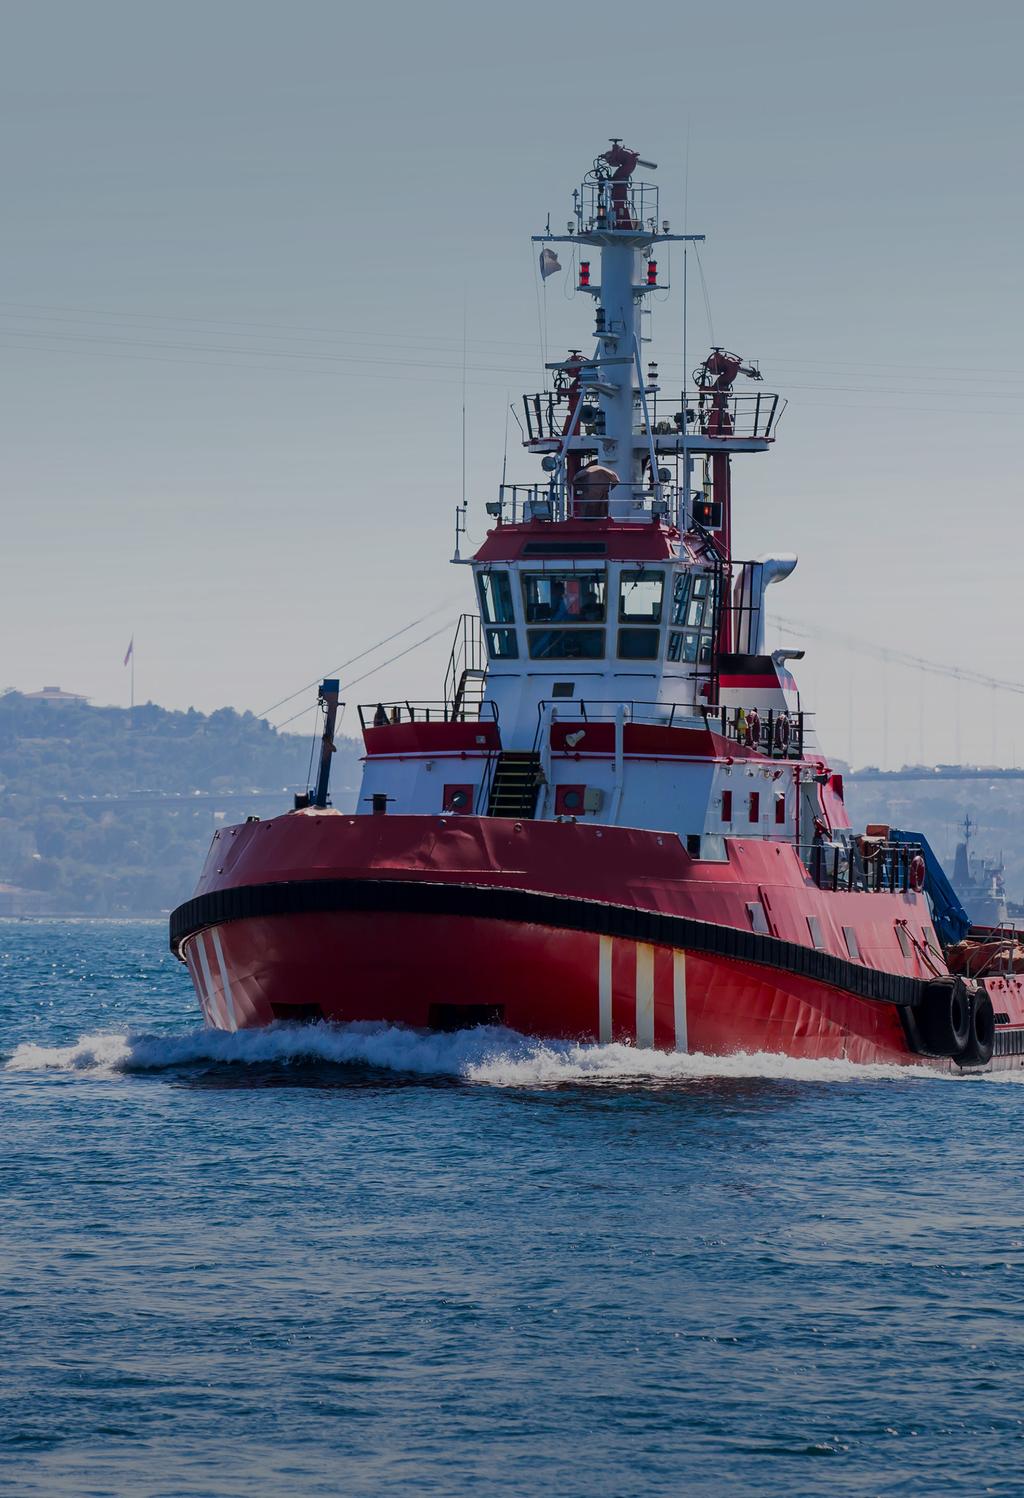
x=604, y=990
x=197, y=982
x=229, y=1001
x=646, y=967
x=679, y=999
x=644, y=994
x=216, y=1014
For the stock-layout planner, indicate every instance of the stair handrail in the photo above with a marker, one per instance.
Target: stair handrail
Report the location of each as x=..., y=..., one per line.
x=467, y=655
x=483, y=794
x=548, y=714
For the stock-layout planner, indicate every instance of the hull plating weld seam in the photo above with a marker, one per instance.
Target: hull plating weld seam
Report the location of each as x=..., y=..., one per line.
x=530, y=907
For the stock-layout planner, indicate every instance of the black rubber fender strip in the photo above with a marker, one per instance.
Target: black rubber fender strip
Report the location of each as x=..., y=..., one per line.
x=532, y=907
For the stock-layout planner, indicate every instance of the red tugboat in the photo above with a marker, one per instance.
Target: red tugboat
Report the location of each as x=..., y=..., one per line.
x=617, y=824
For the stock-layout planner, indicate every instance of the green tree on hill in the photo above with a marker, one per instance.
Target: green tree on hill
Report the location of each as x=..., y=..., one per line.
x=99, y=808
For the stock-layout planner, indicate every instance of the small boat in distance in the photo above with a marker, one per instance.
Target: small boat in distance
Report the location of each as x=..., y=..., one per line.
x=616, y=822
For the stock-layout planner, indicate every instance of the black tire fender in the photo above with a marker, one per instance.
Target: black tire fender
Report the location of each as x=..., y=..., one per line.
x=944, y=1017
x=982, y=1039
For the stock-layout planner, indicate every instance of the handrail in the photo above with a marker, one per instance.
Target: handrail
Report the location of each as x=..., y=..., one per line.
x=483, y=794
x=776, y=735
x=862, y=864
x=390, y=714
x=468, y=657
x=734, y=414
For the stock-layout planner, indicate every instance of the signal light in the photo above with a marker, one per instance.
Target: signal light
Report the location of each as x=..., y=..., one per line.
x=584, y=273
x=708, y=513
x=652, y=272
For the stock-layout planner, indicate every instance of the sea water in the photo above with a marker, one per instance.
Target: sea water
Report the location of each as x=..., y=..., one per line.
x=366, y=1261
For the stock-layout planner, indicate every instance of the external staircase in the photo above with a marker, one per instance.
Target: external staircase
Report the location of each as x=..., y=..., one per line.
x=515, y=785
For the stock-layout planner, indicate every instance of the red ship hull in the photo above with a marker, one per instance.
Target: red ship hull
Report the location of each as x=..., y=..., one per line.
x=441, y=922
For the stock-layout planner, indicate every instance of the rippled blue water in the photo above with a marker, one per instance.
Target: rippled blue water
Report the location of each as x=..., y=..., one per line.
x=364, y=1262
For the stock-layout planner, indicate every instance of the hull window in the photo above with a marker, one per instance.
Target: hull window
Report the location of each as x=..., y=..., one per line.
x=758, y=919
x=570, y=800
x=815, y=931
x=458, y=797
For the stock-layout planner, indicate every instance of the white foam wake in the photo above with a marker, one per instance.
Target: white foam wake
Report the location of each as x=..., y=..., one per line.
x=497, y=1057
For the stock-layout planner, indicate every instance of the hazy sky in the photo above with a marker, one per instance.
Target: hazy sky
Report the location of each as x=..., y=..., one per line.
x=237, y=241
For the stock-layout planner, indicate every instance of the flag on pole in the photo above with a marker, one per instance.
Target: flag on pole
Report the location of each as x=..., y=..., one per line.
x=549, y=263
x=130, y=651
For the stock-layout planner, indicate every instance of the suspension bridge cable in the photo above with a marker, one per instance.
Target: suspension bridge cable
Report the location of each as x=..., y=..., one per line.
x=374, y=669
x=336, y=670
x=899, y=657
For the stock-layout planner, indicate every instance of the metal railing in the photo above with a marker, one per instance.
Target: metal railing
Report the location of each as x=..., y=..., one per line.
x=546, y=415
x=468, y=658
x=712, y=413
x=596, y=710
x=775, y=735
x=862, y=864
x=778, y=735
x=522, y=502
x=603, y=204
x=724, y=414
x=390, y=714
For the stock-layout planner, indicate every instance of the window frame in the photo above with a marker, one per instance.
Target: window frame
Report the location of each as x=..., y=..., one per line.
x=633, y=576
x=511, y=634
x=572, y=633
x=498, y=578
x=654, y=630
x=581, y=575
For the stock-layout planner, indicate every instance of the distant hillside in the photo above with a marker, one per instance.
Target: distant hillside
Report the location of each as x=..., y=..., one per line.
x=99, y=811
x=106, y=812
x=938, y=808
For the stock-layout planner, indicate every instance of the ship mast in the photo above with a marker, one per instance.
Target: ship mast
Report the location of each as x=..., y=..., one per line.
x=619, y=219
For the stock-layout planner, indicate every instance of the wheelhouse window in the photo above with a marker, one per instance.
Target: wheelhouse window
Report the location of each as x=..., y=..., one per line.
x=638, y=644
x=496, y=597
x=692, y=646
x=694, y=599
x=564, y=597
x=680, y=593
x=566, y=644
x=502, y=645
x=640, y=594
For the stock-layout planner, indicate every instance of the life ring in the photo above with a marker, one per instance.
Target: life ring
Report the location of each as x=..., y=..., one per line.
x=753, y=727
x=782, y=732
x=917, y=873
